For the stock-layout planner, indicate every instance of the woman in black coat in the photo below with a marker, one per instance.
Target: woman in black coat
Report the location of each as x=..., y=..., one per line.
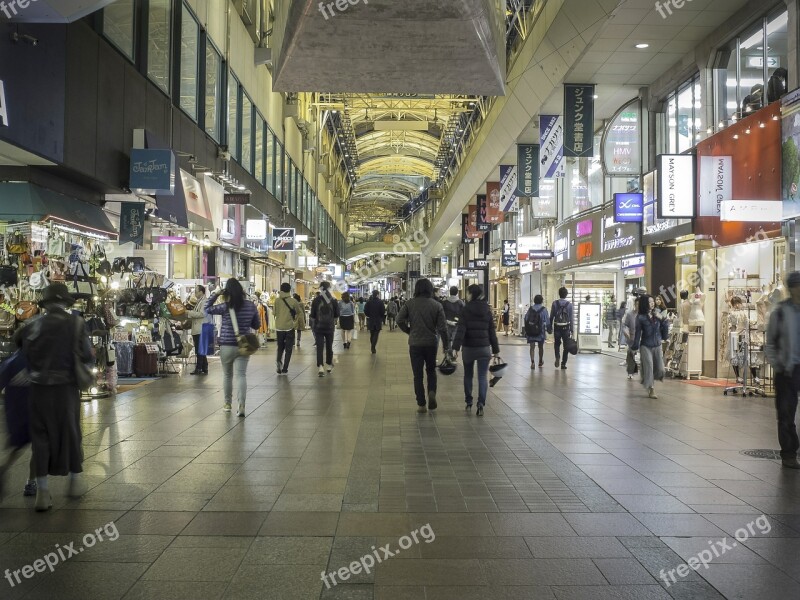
x=476, y=333
x=374, y=311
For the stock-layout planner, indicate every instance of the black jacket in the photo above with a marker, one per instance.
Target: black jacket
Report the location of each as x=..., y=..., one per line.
x=422, y=318
x=334, y=304
x=476, y=327
x=48, y=343
x=375, y=310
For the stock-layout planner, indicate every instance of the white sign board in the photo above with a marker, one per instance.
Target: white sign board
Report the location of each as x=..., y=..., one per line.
x=716, y=183
x=256, y=229
x=759, y=211
x=676, y=186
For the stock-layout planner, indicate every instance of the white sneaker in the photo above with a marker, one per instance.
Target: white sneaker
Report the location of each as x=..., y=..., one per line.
x=240, y=412
x=77, y=487
x=321, y=372
x=330, y=368
x=226, y=407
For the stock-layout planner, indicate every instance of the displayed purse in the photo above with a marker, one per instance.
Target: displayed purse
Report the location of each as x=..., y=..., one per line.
x=25, y=310
x=55, y=245
x=8, y=275
x=177, y=309
x=17, y=243
x=128, y=296
x=118, y=266
x=81, y=285
x=248, y=343
x=139, y=310
x=38, y=280
x=134, y=264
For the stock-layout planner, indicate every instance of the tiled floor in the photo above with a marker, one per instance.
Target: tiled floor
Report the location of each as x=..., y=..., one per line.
x=573, y=485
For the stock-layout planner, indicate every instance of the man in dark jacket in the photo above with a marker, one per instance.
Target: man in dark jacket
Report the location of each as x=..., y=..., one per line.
x=421, y=318
x=375, y=311
x=324, y=312
x=561, y=325
x=453, y=305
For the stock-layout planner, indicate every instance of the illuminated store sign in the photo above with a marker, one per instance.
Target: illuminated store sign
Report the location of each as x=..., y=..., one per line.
x=676, y=186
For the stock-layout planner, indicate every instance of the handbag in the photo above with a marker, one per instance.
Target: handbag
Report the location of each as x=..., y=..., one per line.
x=134, y=264
x=571, y=346
x=177, y=309
x=8, y=275
x=81, y=284
x=118, y=266
x=248, y=343
x=17, y=243
x=38, y=281
x=55, y=245
x=25, y=310
x=138, y=310
x=83, y=375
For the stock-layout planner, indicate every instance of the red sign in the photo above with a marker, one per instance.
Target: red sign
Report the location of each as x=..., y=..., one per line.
x=494, y=214
x=584, y=250
x=472, y=223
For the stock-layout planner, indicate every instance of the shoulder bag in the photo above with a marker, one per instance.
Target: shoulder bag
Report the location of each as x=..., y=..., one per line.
x=248, y=343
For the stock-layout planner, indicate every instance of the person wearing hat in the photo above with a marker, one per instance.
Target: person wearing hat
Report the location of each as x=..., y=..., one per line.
x=51, y=343
x=783, y=353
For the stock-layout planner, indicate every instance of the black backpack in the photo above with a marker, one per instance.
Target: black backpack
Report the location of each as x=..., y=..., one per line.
x=562, y=314
x=452, y=310
x=533, y=327
x=324, y=313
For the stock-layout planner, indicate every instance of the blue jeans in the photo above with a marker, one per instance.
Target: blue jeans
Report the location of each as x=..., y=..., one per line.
x=231, y=361
x=470, y=356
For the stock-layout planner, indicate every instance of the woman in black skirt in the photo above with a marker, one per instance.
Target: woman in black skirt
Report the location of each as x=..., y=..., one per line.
x=347, y=319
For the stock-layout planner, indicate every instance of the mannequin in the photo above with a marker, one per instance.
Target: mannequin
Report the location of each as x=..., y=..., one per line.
x=738, y=322
x=696, y=317
x=685, y=310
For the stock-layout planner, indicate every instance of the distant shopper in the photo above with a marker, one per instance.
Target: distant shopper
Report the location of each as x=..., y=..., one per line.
x=199, y=317
x=612, y=322
x=536, y=323
x=234, y=302
x=620, y=316
x=628, y=327
x=49, y=344
x=347, y=319
x=375, y=311
x=287, y=312
x=506, y=316
x=476, y=333
x=453, y=305
x=16, y=384
x=391, y=312
x=561, y=325
x=783, y=353
x=651, y=329
x=362, y=317
x=300, y=324
x=422, y=318
x=324, y=312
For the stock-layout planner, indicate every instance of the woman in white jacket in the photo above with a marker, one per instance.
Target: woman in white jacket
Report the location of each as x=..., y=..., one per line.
x=198, y=316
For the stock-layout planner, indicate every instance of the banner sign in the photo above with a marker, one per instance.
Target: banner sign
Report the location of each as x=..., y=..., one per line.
x=480, y=263
x=551, y=147
x=255, y=229
x=467, y=273
x=528, y=170
x=545, y=206
x=509, y=256
x=757, y=211
x=508, y=188
x=240, y=199
x=131, y=223
x=152, y=171
x=540, y=254
x=578, y=120
x=473, y=230
x=377, y=224
x=621, y=148
x=283, y=239
x=634, y=261
x=171, y=240
x=483, y=216
x=628, y=208
x=494, y=212
x=716, y=184
x=676, y=186
x=465, y=238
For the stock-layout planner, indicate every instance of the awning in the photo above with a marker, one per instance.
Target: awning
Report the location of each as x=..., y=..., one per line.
x=23, y=202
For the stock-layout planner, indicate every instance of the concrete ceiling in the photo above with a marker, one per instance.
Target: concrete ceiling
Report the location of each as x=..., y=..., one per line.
x=51, y=11
x=408, y=46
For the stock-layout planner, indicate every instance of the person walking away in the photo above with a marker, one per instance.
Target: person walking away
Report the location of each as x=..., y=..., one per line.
x=652, y=328
x=476, y=333
x=16, y=383
x=612, y=322
x=362, y=317
x=506, y=315
x=422, y=318
x=391, y=312
x=347, y=318
x=783, y=353
x=375, y=311
x=51, y=344
x=536, y=323
x=247, y=321
x=287, y=311
x=628, y=331
x=324, y=312
x=198, y=316
x=620, y=316
x=561, y=325
x=453, y=305
x=300, y=324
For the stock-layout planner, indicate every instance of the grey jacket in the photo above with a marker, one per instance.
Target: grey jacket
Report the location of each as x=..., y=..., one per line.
x=780, y=338
x=422, y=318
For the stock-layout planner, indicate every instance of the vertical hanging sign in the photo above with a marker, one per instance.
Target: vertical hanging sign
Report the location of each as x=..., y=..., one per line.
x=473, y=230
x=528, y=170
x=131, y=223
x=508, y=188
x=551, y=146
x=483, y=213
x=578, y=120
x=494, y=211
x=465, y=237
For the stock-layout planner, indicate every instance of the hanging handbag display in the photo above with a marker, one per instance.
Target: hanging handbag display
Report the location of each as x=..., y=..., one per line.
x=118, y=266
x=8, y=275
x=134, y=264
x=139, y=310
x=25, y=310
x=17, y=243
x=55, y=245
x=177, y=309
x=81, y=285
x=248, y=343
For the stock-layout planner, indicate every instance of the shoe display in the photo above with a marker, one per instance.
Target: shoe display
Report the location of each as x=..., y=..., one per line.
x=227, y=407
x=432, y=401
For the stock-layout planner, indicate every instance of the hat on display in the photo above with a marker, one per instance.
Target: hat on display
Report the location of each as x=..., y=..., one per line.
x=56, y=293
x=793, y=279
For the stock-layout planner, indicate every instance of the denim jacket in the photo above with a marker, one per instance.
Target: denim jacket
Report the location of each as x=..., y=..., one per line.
x=650, y=332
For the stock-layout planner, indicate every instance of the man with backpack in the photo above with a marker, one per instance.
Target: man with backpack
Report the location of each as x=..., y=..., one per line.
x=324, y=312
x=561, y=325
x=536, y=323
x=287, y=313
x=453, y=305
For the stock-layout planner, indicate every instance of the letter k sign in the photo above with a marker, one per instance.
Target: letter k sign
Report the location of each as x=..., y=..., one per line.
x=3, y=109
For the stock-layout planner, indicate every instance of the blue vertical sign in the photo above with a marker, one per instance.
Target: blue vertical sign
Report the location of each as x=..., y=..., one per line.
x=551, y=146
x=579, y=120
x=528, y=170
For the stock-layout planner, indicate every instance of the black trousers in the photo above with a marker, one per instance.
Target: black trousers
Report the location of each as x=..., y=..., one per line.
x=786, y=390
x=202, y=361
x=561, y=335
x=299, y=335
x=324, y=342
x=285, y=344
x=423, y=358
x=373, y=337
